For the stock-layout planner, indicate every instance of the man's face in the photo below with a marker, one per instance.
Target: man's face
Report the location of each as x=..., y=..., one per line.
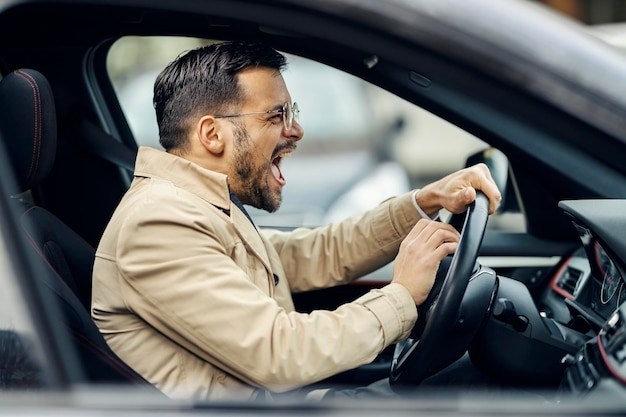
x=260, y=141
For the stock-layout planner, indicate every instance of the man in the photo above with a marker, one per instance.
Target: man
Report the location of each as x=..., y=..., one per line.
x=198, y=300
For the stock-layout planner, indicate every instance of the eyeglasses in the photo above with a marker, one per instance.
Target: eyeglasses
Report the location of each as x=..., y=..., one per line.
x=289, y=111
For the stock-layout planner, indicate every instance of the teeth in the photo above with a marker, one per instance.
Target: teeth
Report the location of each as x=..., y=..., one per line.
x=281, y=156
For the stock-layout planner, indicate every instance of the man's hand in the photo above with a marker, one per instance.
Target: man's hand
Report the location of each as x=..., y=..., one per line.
x=420, y=254
x=455, y=191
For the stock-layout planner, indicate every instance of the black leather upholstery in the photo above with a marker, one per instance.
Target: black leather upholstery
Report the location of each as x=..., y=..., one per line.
x=28, y=129
x=29, y=132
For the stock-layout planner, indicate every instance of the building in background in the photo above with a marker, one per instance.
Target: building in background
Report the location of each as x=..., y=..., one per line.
x=592, y=12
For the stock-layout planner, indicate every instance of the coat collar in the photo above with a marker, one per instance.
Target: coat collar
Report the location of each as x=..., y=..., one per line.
x=209, y=185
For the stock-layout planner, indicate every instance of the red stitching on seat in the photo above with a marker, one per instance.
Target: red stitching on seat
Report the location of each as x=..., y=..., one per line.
x=34, y=163
x=106, y=357
x=34, y=245
x=81, y=338
x=76, y=235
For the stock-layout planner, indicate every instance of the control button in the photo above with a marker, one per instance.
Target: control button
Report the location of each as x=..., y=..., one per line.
x=504, y=311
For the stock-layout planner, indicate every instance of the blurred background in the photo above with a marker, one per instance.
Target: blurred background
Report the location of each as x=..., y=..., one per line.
x=591, y=12
x=362, y=144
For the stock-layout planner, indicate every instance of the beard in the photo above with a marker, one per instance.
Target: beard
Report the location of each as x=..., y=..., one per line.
x=249, y=180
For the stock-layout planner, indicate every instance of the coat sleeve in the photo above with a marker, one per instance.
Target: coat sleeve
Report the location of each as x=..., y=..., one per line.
x=339, y=253
x=176, y=273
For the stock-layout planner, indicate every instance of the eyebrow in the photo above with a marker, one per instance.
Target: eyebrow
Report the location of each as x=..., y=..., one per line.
x=277, y=107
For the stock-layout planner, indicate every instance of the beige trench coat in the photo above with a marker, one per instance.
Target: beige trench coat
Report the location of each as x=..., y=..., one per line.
x=184, y=292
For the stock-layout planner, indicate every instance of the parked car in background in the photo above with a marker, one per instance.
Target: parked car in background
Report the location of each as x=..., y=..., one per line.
x=393, y=93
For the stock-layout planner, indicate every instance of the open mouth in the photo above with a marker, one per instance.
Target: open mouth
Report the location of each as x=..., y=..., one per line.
x=276, y=172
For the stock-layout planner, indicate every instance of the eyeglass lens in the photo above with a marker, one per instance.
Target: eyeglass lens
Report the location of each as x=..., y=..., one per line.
x=290, y=111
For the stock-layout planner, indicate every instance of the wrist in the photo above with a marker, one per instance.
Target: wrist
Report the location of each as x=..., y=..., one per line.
x=426, y=203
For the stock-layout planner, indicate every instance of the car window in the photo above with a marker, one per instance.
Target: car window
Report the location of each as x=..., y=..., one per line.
x=371, y=143
x=19, y=356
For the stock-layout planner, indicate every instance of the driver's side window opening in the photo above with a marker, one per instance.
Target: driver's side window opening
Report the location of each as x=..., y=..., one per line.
x=364, y=143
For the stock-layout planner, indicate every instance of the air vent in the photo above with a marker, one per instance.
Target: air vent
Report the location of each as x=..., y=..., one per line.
x=568, y=281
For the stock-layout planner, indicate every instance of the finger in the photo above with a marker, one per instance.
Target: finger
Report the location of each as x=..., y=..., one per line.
x=490, y=189
x=429, y=227
x=441, y=237
x=484, y=181
x=491, y=192
x=430, y=235
x=445, y=249
x=461, y=199
x=417, y=243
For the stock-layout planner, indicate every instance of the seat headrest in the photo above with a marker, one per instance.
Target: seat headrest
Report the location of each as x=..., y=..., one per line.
x=28, y=125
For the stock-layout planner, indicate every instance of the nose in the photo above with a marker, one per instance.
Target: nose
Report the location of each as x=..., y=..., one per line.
x=295, y=133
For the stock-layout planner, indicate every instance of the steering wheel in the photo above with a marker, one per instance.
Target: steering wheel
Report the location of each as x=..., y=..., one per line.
x=414, y=360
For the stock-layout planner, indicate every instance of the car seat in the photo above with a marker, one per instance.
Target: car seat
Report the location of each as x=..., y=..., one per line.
x=29, y=132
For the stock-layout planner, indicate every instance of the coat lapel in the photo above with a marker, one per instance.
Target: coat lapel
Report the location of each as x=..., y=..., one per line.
x=249, y=235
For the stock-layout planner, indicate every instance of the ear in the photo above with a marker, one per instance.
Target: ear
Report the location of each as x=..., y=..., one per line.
x=209, y=136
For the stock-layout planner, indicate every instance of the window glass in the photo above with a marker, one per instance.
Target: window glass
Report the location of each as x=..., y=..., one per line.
x=19, y=365
x=363, y=143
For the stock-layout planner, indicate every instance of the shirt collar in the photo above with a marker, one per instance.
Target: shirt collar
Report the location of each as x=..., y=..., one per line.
x=238, y=203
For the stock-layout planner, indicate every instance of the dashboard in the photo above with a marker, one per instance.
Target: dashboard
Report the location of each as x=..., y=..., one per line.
x=592, y=280
x=591, y=289
x=593, y=286
x=607, y=285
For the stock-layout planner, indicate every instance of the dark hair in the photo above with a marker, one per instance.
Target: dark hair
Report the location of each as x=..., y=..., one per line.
x=204, y=81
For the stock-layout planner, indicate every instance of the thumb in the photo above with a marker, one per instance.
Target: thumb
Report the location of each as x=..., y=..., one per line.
x=468, y=195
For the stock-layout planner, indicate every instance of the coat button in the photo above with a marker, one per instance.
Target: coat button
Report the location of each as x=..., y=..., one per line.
x=276, y=279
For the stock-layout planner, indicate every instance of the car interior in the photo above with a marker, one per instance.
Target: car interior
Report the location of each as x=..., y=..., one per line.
x=541, y=308
x=67, y=257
